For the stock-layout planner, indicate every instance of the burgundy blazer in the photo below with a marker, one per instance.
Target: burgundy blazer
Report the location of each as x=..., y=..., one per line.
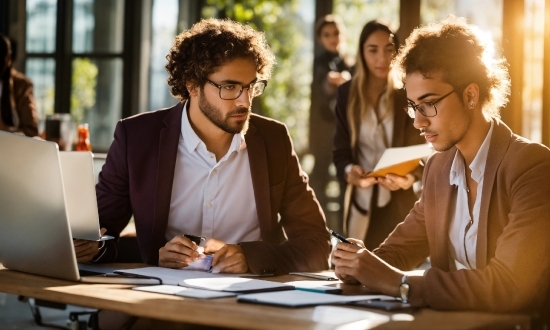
x=137, y=180
x=513, y=244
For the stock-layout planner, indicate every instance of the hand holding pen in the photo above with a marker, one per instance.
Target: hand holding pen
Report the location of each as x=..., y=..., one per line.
x=343, y=239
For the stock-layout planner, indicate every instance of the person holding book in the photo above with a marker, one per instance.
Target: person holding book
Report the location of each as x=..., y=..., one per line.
x=369, y=119
x=483, y=217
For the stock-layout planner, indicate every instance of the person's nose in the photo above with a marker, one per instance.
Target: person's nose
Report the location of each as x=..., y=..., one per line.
x=419, y=120
x=245, y=99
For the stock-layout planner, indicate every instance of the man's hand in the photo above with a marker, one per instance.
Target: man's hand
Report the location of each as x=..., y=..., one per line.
x=360, y=265
x=357, y=177
x=395, y=182
x=86, y=250
x=230, y=258
x=178, y=253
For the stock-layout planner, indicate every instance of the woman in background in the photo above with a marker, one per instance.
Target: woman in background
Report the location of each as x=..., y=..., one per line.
x=331, y=69
x=17, y=103
x=369, y=119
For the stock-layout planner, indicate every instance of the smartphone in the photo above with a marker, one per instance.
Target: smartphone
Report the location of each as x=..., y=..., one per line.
x=388, y=305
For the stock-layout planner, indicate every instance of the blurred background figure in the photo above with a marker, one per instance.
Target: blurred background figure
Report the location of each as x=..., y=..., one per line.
x=369, y=119
x=17, y=103
x=331, y=69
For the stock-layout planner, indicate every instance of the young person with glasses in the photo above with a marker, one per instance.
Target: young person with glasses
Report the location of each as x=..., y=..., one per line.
x=369, y=119
x=483, y=217
x=209, y=167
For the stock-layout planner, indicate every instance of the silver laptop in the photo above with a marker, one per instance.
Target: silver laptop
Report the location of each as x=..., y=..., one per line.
x=77, y=169
x=35, y=234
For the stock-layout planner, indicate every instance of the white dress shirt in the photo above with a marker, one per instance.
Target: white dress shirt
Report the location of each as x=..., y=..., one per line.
x=463, y=243
x=209, y=198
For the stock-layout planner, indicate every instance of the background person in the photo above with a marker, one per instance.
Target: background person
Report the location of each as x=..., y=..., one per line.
x=208, y=166
x=369, y=119
x=17, y=103
x=330, y=70
x=483, y=217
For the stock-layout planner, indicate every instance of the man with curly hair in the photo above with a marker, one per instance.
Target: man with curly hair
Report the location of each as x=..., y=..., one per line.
x=209, y=167
x=484, y=217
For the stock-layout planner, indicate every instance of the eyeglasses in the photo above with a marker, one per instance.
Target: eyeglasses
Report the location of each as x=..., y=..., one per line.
x=427, y=109
x=233, y=91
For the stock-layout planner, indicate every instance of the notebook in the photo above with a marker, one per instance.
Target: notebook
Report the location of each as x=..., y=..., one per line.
x=35, y=234
x=77, y=169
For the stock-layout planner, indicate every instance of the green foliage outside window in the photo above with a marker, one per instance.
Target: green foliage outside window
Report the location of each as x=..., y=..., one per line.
x=83, y=94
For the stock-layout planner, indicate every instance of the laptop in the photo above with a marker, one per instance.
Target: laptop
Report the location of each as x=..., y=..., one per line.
x=35, y=233
x=77, y=169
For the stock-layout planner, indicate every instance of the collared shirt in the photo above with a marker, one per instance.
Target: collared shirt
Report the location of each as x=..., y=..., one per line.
x=213, y=199
x=463, y=240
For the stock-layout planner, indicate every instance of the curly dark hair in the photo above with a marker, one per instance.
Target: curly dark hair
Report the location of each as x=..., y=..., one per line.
x=208, y=45
x=463, y=55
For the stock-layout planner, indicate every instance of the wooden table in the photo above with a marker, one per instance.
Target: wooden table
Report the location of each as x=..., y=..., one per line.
x=227, y=312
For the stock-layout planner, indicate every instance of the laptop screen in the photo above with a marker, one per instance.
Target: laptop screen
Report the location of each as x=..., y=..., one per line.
x=35, y=235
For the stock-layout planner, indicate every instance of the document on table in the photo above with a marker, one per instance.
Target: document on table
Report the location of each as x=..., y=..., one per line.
x=184, y=292
x=316, y=286
x=207, y=281
x=297, y=298
x=401, y=160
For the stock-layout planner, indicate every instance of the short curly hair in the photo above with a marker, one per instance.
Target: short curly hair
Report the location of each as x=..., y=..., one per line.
x=208, y=45
x=463, y=55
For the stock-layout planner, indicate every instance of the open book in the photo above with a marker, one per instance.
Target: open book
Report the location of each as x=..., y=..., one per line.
x=207, y=281
x=401, y=160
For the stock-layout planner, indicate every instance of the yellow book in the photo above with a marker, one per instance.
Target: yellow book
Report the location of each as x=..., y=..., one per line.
x=401, y=160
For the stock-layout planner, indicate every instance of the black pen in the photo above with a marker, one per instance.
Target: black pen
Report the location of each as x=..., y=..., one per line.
x=195, y=238
x=343, y=239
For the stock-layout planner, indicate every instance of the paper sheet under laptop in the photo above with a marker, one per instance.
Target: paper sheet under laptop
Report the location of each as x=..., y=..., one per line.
x=401, y=160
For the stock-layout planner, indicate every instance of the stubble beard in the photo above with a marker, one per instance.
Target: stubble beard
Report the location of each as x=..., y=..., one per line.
x=215, y=116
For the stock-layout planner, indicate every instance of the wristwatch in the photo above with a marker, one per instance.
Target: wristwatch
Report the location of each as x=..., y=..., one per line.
x=404, y=289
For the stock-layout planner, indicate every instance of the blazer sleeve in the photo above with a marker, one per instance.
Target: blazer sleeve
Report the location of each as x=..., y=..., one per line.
x=307, y=244
x=25, y=104
x=342, y=153
x=112, y=192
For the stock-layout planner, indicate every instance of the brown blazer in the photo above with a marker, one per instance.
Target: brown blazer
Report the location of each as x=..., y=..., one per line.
x=137, y=180
x=25, y=105
x=513, y=245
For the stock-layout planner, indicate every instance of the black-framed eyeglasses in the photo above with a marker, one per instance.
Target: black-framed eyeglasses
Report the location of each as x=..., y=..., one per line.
x=233, y=91
x=427, y=109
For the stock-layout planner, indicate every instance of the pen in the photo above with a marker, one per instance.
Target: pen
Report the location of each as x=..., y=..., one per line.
x=317, y=276
x=195, y=238
x=342, y=238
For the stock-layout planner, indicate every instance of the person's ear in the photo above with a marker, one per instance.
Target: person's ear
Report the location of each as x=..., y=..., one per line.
x=192, y=89
x=471, y=95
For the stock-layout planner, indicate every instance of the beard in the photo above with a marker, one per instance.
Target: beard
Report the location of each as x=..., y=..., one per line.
x=224, y=123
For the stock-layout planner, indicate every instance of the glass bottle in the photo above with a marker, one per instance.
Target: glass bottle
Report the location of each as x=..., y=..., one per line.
x=83, y=138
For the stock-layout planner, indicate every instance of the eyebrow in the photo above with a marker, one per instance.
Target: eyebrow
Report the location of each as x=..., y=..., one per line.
x=424, y=96
x=229, y=81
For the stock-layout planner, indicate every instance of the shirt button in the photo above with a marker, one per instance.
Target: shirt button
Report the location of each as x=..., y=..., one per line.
x=209, y=205
x=214, y=171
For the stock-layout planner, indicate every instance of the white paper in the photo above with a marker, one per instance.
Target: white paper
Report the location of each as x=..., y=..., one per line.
x=205, y=280
x=392, y=156
x=184, y=292
x=296, y=298
x=341, y=315
x=233, y=284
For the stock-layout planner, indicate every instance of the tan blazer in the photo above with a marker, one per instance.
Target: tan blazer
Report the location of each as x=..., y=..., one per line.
x=513, y=246
x=25, y=105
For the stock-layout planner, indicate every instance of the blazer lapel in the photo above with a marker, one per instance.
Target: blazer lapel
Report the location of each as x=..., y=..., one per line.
x=257, y=159
x=168, y=150
x=445, y=193
x=500, y=141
